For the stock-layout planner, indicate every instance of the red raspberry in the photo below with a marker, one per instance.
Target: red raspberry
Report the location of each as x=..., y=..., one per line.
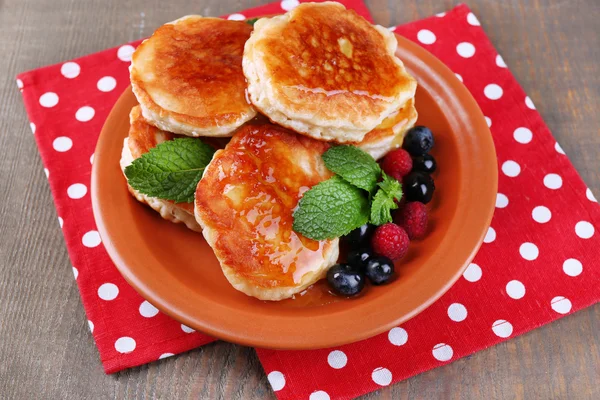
x=413, y=218
x=391, y=241
x=397, y=164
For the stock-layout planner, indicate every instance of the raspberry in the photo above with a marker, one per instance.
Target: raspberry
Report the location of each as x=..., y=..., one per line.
x=397, y=164
x=413, y=218
x=391, y=241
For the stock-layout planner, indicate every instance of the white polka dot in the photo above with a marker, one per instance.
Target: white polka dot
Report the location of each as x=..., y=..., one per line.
x=558, y=148
x=523, y=135
x=511, y=168
x=457, y=312
x=85, y=114
x=490, y=236
x=32, y=127
x=502, y=328
x=590, y=196
x=106, y=84
x=381, y=376
x=288, y=5
x=459, y=77
x=319, y=395
x=165, y=355
x=75, y=272
x=572, y=267
x=60, y=221
x=236, y=17
x=337, y=359
x=277, y=380
x=124, y=53
x=76, y=190
x=49, y=99
x=465, y=49
x=62, y=144
x=47, y=172
x=472, y=273
x=488, y=121
x=398, y=336
x=529, y=251
x=501, y=200
x=515, y=289
x=187, y=329
x=148, y=310
x=440, y=14
x=108, y=291
x=553, y=181
x=529, y=103
x=493, y=91
x=125, y=345
x=541, y=214
x=472, y=19
x=442, y=352
x=561, y=304
x=92, y=159
x=70, y=70
x=19, y=84
x=425, y=36
x=91, y=325
x=584, y=229
x=500, y=61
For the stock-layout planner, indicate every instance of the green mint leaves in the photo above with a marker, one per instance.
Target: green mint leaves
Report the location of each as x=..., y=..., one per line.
x=360, y=192
x=171, y=170
x=251, y=21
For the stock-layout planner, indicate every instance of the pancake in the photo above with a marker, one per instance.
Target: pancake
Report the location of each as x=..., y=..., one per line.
x=188, y=76
x=142, y=137
x=325, y=72
x=390, y=133
x=245, y=201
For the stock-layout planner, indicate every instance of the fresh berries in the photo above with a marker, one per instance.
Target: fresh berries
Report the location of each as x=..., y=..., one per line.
x=345, y=280
x=413, y=218
x=425, y=163
x=361, y=235
x=418, y=140
x=397, y=164
x=391, y=241
x=418, y=186
x=359, y=258
x=380, y=270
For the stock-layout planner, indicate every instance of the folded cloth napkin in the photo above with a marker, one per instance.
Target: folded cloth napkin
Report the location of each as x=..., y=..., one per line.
x=519, y=280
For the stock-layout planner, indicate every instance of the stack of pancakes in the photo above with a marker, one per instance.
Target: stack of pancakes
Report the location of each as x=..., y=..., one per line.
x=284, y=92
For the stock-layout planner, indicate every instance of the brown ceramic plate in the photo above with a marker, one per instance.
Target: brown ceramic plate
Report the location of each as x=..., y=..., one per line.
x=177, y=272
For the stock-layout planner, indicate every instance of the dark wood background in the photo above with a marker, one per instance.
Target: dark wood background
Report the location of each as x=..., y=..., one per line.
x=46, y=350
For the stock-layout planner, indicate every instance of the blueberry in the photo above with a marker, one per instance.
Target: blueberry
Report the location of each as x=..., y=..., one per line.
x=380, y=270
x=418, y=140
x=424, y=163
x=359, y=258
x=345, y=280
x=418, y=186
x=361, y=235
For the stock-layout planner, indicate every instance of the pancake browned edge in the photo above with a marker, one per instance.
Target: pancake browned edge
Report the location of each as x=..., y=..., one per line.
x=325, y=72
x=188, y=77
x=245, y=202
x=142, y=137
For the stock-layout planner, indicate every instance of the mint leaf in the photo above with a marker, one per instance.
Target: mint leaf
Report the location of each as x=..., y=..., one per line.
x=251, y=21
x=354, y=165
x=384, y=201
x=171, y=170
x=331, y=209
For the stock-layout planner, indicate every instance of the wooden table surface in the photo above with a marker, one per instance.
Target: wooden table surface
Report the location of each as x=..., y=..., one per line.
x=46, y=350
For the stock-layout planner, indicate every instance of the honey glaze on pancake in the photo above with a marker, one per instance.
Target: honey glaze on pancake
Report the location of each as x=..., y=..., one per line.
x=248, y=196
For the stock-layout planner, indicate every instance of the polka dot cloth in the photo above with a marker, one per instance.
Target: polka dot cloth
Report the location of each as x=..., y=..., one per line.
x=520, y=278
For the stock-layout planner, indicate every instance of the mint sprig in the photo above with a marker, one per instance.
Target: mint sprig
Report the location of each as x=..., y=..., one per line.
x=354, y=165
x=171, y=170
x=385, y=200
x=251, y=21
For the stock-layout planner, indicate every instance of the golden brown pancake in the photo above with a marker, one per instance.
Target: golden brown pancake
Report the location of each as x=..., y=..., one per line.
x=325, y=72
x=245, y=202
x=188, y=76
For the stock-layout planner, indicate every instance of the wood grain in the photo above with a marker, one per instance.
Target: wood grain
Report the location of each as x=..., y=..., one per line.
x=46, y=351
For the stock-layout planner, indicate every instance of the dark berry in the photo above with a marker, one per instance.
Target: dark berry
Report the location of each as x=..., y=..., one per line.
x=397, y=164
x=345, y=280
x=361, y=235
x=380, y=270
x=418, y=186
x=424, y=163
x=359, y=258
x=418, y=140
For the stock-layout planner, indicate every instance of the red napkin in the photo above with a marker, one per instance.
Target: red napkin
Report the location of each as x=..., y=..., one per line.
x=539, y=261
